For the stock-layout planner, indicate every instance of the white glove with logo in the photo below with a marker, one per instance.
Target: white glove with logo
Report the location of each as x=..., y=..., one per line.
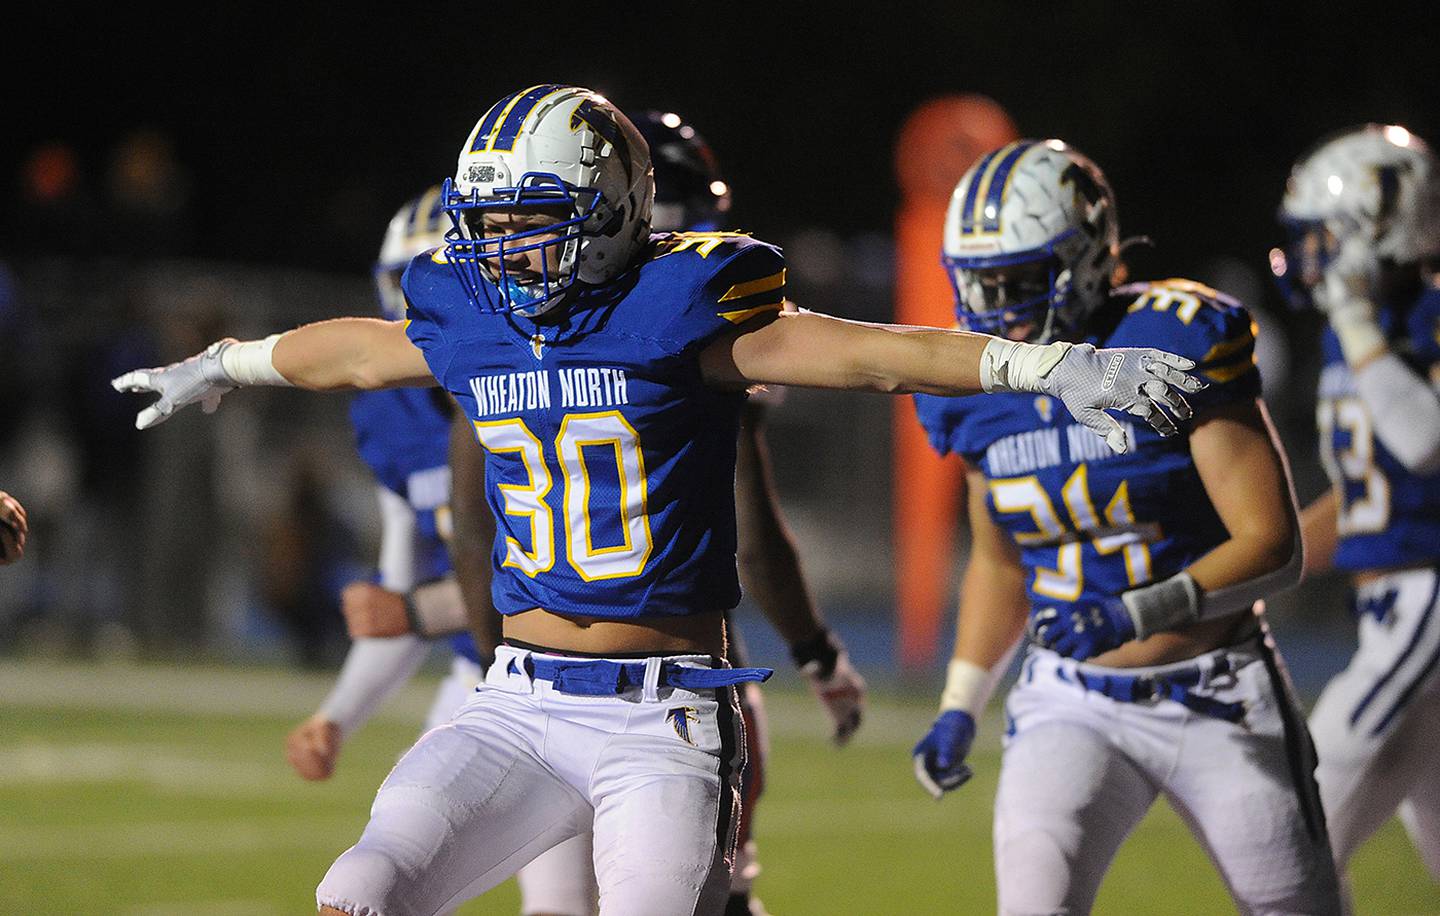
x=199, y=379
x=1137, y=380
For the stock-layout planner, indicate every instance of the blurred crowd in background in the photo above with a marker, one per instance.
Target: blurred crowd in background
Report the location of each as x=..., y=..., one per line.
x=230, y=536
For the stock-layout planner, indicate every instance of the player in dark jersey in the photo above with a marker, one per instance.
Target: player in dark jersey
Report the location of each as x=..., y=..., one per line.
x=1363, y=211
x=604, y=372
x=1149, y=673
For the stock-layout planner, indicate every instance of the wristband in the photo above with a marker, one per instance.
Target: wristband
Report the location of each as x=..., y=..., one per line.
x=1163, y=605
x=817, y=655
x=967, y=688
x=436, y=609
x=250, y=362
x=1358, y=333
x=1011, y=365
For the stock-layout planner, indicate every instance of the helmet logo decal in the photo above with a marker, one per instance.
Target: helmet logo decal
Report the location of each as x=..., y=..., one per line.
x=1088, y=191
x=600, y=121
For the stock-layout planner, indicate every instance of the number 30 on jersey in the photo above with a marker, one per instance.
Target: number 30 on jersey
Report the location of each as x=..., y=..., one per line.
x=580, y=437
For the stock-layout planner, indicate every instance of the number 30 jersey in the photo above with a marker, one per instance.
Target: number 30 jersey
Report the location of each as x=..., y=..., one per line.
x=1090, y=523
x=610, y=464
x=1388, y=516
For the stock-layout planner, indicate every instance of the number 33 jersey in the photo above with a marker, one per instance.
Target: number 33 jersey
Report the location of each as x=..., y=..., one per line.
x=1090, y=523
x=1388, y=516
x=610, y=464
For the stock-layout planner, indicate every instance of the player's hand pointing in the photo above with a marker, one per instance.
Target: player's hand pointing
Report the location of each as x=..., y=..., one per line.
x=1139, y=381
x=200, y=379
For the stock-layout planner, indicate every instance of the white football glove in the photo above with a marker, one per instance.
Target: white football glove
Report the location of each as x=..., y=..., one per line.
x=834, y=681
x=199, y=379
x=1137, y=380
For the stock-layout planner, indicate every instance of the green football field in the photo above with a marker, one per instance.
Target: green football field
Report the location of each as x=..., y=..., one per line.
x=162, y=790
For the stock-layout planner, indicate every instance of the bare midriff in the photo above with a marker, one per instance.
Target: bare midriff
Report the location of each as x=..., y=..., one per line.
x=691, y=634
x=1178, y=645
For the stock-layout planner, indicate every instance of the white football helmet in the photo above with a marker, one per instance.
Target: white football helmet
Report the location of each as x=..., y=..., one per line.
x=1046, y=210
x=557, y=150
x=1377, y=185
x=416, y=227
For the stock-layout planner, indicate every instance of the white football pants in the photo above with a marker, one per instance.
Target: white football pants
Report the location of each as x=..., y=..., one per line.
x=1377, y=724
x=1081, y=769
x=521, y=768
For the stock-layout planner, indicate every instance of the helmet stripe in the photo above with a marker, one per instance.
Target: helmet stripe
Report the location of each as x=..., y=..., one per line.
x=982, y=183
x=519, y=110
x=999, y=182
x=967, y=220
x=487, y=123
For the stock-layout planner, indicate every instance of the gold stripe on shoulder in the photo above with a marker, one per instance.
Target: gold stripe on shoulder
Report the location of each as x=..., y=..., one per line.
x=751, y=287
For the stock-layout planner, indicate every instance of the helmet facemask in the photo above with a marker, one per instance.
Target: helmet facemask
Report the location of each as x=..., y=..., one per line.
x=531, y=268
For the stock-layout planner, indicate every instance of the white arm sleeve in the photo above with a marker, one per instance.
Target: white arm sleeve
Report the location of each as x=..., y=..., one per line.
x=373, y=670
x=1406, y=411
x=397, y=542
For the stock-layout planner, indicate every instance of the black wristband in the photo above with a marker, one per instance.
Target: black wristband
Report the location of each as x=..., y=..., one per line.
x=816, y=655
x=412, y=617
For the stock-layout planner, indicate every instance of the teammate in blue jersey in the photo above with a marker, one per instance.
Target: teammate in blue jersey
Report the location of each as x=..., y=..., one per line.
x=604, y=371
x=1363, y=211
x=1149, y=673
x=403, y=435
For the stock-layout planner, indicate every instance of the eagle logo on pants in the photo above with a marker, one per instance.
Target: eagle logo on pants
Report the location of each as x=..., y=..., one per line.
x=680, y=717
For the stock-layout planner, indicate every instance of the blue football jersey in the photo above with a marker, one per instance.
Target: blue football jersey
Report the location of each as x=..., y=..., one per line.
x=1090, y=523
x=403, y=434
x=610, y=464
x=1389, y=516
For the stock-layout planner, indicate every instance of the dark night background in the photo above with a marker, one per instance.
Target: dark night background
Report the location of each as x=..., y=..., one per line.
x=303, y=125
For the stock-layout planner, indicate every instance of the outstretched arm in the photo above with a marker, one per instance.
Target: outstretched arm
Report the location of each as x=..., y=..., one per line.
x=817, y=351
x=340, y=354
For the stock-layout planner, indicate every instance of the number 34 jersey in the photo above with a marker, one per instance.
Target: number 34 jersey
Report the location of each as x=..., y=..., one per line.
x=610, y=464
x=1090, y=523
x=1388, y=516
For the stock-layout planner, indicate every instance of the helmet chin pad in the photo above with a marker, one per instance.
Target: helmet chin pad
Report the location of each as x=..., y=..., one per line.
x=485, y=265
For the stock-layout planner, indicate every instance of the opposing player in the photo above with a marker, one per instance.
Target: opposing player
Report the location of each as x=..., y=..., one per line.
x=1150, y=674
x=1363, y=211
x=604, y=371
x=14, y=529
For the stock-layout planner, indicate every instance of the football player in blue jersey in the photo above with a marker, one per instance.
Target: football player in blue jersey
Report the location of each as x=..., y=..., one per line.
x=604, y=371
x=1363, y=212
x=1135, y=574
x=403, y=434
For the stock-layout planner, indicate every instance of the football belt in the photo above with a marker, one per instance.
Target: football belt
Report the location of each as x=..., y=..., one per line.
x=1174, y=685
x=600, y=677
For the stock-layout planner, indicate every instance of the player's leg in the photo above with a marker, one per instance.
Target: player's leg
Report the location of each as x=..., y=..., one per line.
x=666, y=798
x=1067, y=798
x=1246, y=789
x=461, y=811
x=560, y=881
x=1363, y=719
